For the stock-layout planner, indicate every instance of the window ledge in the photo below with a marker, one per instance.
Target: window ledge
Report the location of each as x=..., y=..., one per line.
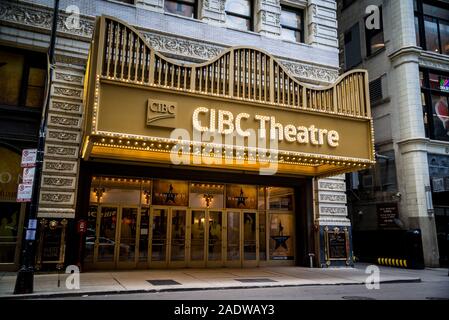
x=380, y=102
x=375, y=54
x=254, y=33
x=182, y=17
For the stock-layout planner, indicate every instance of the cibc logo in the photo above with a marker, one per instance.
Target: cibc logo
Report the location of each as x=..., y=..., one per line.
x=160, y=112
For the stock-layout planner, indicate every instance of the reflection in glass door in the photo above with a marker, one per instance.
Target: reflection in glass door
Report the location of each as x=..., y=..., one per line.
x=233, y=237
x=144, y=236
x=214, y=253
x=105, y=243
x=241, y=238
x=127, y=246
x=197, y=242
x=178, y=237
x=91, y=234
x=159, y=236
x=249, y=236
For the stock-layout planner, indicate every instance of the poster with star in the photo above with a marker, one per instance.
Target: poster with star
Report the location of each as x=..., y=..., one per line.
x=281, y=236
x=241, y=196
x=170, y=193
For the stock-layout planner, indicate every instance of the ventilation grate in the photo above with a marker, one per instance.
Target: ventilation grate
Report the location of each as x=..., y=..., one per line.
x=256, y=280
x=163, y=282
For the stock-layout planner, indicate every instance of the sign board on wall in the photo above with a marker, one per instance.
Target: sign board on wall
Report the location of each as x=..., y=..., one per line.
x=387, y=213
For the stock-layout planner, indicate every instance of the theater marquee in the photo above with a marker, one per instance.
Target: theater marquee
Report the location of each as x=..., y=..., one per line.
x=241, y=107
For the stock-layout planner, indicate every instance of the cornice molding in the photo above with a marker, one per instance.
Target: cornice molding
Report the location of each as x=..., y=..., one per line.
x=434, y=61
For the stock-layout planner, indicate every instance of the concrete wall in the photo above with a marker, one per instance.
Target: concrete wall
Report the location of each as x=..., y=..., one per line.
x=398, y=118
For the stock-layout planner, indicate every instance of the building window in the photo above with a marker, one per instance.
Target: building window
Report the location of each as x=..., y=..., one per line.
x=432, y=26
x=24, y=76
x=126, y=1
x=374, y=37
x=435, y=101
x=239, y=14
x=292, y=24
x=347, y=3
x=353, y=56
x=186, y=8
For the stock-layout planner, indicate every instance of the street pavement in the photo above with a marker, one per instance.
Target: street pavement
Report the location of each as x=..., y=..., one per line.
x=436, y=290
x=227, y=283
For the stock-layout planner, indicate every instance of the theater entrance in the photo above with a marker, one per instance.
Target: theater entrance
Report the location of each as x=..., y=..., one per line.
x=154, y=223
x=203, y=238
x=113, y=242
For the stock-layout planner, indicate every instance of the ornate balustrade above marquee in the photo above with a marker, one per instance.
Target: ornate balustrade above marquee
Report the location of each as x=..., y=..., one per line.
x=240, y=72
x=120, y=57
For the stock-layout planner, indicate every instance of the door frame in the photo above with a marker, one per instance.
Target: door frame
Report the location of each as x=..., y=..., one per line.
x=127, y=264
x=115, y=263
x=241, y=262
x=183, y=263
x=220, y=262
x=255, y=262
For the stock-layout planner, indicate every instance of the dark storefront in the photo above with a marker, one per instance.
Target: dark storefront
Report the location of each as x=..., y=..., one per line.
x=21, y=98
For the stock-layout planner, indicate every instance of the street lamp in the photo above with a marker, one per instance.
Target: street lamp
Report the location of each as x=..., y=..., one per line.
x=25, y=276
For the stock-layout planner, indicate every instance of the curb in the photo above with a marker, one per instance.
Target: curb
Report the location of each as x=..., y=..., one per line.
x=137, y=291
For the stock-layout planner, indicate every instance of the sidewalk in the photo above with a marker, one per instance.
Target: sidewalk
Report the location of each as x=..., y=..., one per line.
x=139, y=281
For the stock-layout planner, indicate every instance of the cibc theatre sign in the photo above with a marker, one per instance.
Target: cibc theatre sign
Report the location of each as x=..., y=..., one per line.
x=241, y=110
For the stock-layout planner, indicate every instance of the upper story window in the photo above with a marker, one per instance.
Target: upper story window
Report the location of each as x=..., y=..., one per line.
x=374, y=37
x=432, y=25
x=353, y=55
x=23, y=78
x=186, y=8
x=292, y=24
x=435, y=101
x=347, y=3
x=239, y=14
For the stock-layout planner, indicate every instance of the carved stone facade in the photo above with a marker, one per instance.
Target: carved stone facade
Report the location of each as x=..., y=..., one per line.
x=322, y=23
x=61, y=161
x=213, y=11
x=38, y=19
x=66, y=105
x=330, y=202
x=268, y=17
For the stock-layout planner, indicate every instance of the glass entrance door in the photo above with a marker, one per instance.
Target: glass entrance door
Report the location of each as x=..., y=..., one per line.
x=177, y=243
x=242, y=243
x=115, y=241
x=250, y=234
x=215, y=243
x=159, y=235
x=126, y=244
x=168, y=239
x=104, y=242
x=197, y=238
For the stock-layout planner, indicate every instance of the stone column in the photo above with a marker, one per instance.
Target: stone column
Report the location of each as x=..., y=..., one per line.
x=267, y=15
x=61, y=158
x=331, y=214
x=321, y=24
x=212, y=11
x=411, y=150
x=153, y=5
